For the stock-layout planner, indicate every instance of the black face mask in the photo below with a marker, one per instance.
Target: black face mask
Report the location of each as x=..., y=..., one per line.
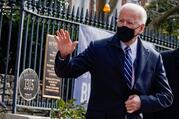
x=125, y=34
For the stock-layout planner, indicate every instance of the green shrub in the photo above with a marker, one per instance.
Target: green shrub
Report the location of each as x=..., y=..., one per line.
x=68, y=110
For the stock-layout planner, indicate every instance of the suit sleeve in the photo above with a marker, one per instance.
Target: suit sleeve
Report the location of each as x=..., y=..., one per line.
x=161, y=95
x=72, y=68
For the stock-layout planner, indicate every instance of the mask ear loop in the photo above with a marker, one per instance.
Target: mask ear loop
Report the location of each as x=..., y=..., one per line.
x=137, y=33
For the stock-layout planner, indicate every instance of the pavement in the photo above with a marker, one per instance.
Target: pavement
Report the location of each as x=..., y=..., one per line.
x=20, y=116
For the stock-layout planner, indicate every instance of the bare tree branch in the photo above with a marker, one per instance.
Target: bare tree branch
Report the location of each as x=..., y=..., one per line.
x=154, y=24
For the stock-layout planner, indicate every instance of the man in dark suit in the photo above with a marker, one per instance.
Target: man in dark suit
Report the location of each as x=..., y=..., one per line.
x=127, y=76
x=171, y=64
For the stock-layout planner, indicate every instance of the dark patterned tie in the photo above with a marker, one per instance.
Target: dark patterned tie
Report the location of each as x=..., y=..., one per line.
x=128, y=67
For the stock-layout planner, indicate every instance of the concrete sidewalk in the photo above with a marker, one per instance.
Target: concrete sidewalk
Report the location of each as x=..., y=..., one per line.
x=20, y=116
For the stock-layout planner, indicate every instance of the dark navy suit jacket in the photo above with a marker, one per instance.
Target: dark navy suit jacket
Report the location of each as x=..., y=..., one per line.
x=104, y=60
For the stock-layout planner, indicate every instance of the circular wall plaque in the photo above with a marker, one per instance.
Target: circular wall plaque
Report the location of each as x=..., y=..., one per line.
x=28, y=84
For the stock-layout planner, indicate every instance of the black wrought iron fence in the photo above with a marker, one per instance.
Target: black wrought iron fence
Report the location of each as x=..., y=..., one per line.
x=23, y=31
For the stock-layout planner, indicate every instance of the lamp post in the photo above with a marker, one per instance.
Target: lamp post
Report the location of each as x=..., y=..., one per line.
x=66, y=4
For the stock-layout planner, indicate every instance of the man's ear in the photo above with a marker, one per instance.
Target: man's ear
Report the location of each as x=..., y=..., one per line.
x=142, y=28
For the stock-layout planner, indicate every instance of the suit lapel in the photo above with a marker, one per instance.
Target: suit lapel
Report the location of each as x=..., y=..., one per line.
x=176, y=55
x=141, y=59
x=116, y=53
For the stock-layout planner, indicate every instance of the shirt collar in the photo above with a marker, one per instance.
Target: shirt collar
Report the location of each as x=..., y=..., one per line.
x=133, y=46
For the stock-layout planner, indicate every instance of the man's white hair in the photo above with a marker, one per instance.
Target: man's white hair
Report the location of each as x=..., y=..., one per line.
x=136, y=8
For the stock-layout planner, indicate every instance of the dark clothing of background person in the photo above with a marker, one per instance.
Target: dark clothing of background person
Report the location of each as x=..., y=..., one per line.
x=171, y=64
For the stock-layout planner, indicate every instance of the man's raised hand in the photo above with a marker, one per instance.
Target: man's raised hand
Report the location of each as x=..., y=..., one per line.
x=64, y=43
